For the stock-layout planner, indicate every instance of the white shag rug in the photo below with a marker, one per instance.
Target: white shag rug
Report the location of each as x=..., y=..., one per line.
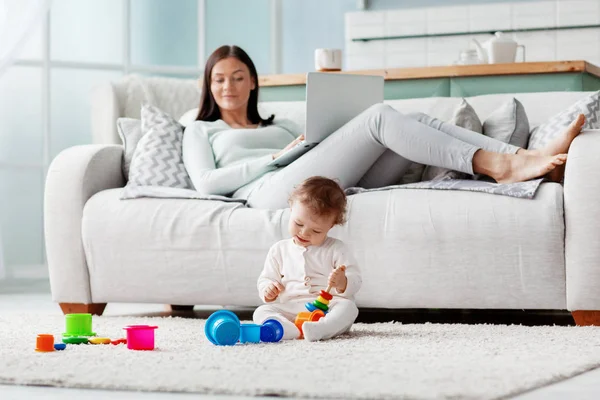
x=373, y=361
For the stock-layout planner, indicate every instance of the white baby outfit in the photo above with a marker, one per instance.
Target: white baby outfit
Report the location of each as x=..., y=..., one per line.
x=304, y=272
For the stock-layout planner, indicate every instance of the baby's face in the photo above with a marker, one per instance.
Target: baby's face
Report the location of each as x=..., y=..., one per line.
x=307, y=228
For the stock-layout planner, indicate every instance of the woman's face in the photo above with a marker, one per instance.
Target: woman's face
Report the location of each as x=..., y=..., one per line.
x=231, y=84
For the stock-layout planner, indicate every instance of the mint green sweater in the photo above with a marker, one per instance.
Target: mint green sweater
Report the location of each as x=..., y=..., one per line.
x=220, y=159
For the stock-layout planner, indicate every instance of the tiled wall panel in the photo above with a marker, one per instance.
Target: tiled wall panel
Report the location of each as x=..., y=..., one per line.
x=576, y=44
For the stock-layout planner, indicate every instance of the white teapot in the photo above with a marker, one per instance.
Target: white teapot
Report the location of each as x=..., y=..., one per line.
x=499, y=49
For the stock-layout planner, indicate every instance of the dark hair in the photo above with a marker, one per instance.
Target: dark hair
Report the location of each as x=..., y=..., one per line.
x=209, y=110
x=323, y=196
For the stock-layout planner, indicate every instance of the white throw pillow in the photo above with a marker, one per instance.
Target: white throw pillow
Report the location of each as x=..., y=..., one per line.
x=509, y=124
x=465, y=117
x=157, y=159
x=130, y=131
x=588, y=106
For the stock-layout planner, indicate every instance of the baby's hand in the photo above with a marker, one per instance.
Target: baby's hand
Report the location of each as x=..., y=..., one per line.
x=272, y=291
x=337, y=279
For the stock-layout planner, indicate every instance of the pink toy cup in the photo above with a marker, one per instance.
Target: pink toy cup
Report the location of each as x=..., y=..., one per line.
x=140, y=337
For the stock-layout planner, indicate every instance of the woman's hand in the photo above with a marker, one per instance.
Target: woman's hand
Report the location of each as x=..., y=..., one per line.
x=337, y=279
x=272, y=291
x=289, y=146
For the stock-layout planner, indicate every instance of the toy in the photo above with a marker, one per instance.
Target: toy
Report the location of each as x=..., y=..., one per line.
x=75, y=340
x=222, y=328
x=271, y=331
x=249, y=333
x=307, y=316
x=60, y=346
x=119, y=341
x=44, y=343
x=316, y=310
x=322, y=302
x=78, y=325
x=99, y=341
x=140, y=337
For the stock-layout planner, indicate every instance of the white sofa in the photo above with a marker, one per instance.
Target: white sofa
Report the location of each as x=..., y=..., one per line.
x=416, y=248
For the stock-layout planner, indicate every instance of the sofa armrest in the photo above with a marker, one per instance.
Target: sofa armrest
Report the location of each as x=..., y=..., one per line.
x=582, y=222
x=74, y=176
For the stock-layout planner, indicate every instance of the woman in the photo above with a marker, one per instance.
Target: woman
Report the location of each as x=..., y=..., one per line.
x=227, y=149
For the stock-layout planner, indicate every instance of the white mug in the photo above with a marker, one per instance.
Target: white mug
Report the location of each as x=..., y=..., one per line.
x=328, y=59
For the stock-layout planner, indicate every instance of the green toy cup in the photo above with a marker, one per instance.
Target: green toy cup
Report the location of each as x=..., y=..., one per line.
x=78, y=325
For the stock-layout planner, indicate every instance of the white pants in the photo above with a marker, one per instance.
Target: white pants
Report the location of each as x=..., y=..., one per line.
x=340, y=317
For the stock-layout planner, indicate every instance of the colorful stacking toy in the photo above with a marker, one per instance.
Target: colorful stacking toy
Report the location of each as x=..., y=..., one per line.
x=223, y=328
x=316, y=310
x=321, y=303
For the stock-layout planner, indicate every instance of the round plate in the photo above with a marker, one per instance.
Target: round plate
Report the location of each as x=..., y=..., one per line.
x=210, y=321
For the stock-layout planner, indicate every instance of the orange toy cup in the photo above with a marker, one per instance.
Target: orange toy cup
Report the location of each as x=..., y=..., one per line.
x=44, y=343
x=306, y=316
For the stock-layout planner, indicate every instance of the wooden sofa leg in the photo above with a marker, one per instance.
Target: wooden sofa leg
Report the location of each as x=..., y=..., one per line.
x=180, y=308
x=586, y=317
x=77, y=308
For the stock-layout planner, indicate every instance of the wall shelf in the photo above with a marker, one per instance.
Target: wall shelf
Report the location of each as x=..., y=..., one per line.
x=491, y=32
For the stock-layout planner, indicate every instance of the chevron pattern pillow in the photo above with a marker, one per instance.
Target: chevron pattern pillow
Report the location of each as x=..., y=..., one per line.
x=157, y=159
x=589, y=106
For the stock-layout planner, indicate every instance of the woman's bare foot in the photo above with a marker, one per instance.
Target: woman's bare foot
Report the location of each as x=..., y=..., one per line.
x=561, y=144
x=520, y=168
x=511, y=168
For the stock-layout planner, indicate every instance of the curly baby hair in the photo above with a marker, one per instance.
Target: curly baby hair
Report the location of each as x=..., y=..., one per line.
x=323, y=196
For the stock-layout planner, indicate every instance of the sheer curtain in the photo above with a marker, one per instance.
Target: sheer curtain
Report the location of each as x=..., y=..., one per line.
x=18, y=19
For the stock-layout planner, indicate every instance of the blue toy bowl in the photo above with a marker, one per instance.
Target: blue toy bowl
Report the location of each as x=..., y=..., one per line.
x=271, y=331
x=249, y=333
x=222, y=328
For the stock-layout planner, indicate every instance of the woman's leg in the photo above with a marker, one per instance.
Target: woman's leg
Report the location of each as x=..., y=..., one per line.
x=387, y=170
x=466, y=135
x=348, y=153
x=391, y=167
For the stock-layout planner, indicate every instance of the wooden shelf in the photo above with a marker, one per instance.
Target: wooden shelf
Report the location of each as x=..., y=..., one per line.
x=432, y=35
x=449, y=71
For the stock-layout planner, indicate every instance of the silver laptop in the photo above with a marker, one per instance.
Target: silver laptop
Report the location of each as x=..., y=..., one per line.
x=331, y=101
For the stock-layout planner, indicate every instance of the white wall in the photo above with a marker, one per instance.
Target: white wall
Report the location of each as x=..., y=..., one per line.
x=580, y=44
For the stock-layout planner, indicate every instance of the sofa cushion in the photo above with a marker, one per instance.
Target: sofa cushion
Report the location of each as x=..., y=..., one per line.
x=508, y=124
x=157, y=159
x=465, y=117
x=410, y=245
x=130, y=132
x=539, y=107
x=589, y=106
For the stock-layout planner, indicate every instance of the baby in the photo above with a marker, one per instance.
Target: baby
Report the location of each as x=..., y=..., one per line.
x=297, y=269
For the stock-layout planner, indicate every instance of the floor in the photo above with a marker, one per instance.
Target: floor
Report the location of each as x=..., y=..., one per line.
x=22, y=296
